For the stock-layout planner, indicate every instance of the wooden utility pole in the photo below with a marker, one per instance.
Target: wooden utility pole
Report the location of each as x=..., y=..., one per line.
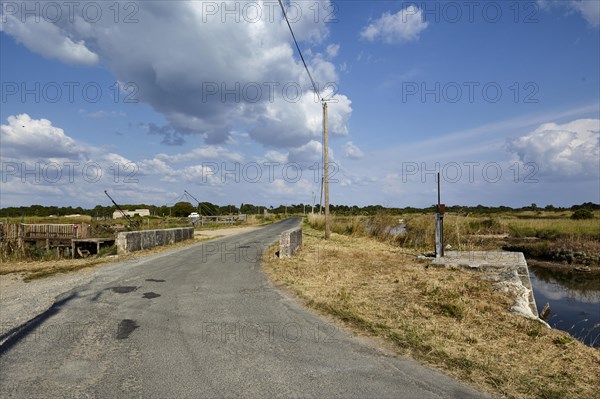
x=326, y=170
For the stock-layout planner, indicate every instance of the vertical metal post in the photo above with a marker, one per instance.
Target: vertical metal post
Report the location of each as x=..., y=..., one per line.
x=439, y=235
x=438, y=184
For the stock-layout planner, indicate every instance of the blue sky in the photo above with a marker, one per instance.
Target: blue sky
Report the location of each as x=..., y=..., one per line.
x=503, y=98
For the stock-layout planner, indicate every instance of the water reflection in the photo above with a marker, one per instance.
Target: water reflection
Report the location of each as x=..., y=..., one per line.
x=574, y=300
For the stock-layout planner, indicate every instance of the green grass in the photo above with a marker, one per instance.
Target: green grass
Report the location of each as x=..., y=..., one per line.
x=107, y=251
x=548, y=228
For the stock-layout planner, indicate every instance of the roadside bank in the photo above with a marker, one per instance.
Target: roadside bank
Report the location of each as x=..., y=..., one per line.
x=449, y=319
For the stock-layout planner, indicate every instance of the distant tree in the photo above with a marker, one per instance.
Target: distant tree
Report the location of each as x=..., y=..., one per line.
x=182, y=209
x=228, y=209
x=163, y=211
x=249, y=209
x=209, y=209
x=582, y=214
x=586, y=205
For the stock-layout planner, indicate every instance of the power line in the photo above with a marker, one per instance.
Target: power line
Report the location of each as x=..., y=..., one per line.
x=200, y=204
x=324, y=147
x=300, y=52
x=311, y=79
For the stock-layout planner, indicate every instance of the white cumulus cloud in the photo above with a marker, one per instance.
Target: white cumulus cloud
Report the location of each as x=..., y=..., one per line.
x=206, y=72
x=403, y=26
x=589, y=9
x=48, y=40
x=352, y=151
x=24, y=137
x=571, y=149
x=308, y=154
x=202, y=154
x=41, y=159
x=275, y=156
x=333, y=50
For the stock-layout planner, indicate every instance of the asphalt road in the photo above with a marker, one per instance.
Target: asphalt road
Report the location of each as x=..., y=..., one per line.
x=202, y=321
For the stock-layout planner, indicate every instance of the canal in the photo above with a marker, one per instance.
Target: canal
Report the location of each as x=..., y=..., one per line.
x=574, y=300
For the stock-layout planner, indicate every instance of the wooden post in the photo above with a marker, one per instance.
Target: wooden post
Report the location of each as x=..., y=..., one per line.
x=47, y=237
x=20, y=232
x=326, y=173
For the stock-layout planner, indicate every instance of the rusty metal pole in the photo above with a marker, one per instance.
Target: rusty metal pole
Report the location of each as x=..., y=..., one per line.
x=326, y=171
x=438, y=183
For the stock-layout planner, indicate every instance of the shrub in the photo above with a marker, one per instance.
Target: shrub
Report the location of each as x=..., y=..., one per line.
x=490, y=226
x=582, y=214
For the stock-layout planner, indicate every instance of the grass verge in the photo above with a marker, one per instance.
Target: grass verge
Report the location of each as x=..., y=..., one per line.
x=447, y=319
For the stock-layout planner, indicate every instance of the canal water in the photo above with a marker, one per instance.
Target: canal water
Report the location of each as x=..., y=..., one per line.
x=574, y=300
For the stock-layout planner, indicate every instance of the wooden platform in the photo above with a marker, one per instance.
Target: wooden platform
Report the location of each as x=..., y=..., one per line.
x=66, y=239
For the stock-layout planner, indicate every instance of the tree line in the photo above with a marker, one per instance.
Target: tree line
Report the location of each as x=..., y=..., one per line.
x=183, y=209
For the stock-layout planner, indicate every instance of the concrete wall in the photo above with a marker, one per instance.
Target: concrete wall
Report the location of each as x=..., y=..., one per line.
x=289, y=242
x=131, y=241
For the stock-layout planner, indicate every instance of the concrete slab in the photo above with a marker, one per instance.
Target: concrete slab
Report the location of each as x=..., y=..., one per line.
x=508, y=270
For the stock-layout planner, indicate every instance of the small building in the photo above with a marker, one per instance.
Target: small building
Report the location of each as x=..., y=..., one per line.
x=142, y=212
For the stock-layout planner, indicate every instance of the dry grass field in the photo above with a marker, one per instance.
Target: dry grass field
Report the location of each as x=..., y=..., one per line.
x=448, y=319
x=546, y=236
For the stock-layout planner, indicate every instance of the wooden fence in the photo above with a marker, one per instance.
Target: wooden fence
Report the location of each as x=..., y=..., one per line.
x=225, y=219
x=16, y=231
